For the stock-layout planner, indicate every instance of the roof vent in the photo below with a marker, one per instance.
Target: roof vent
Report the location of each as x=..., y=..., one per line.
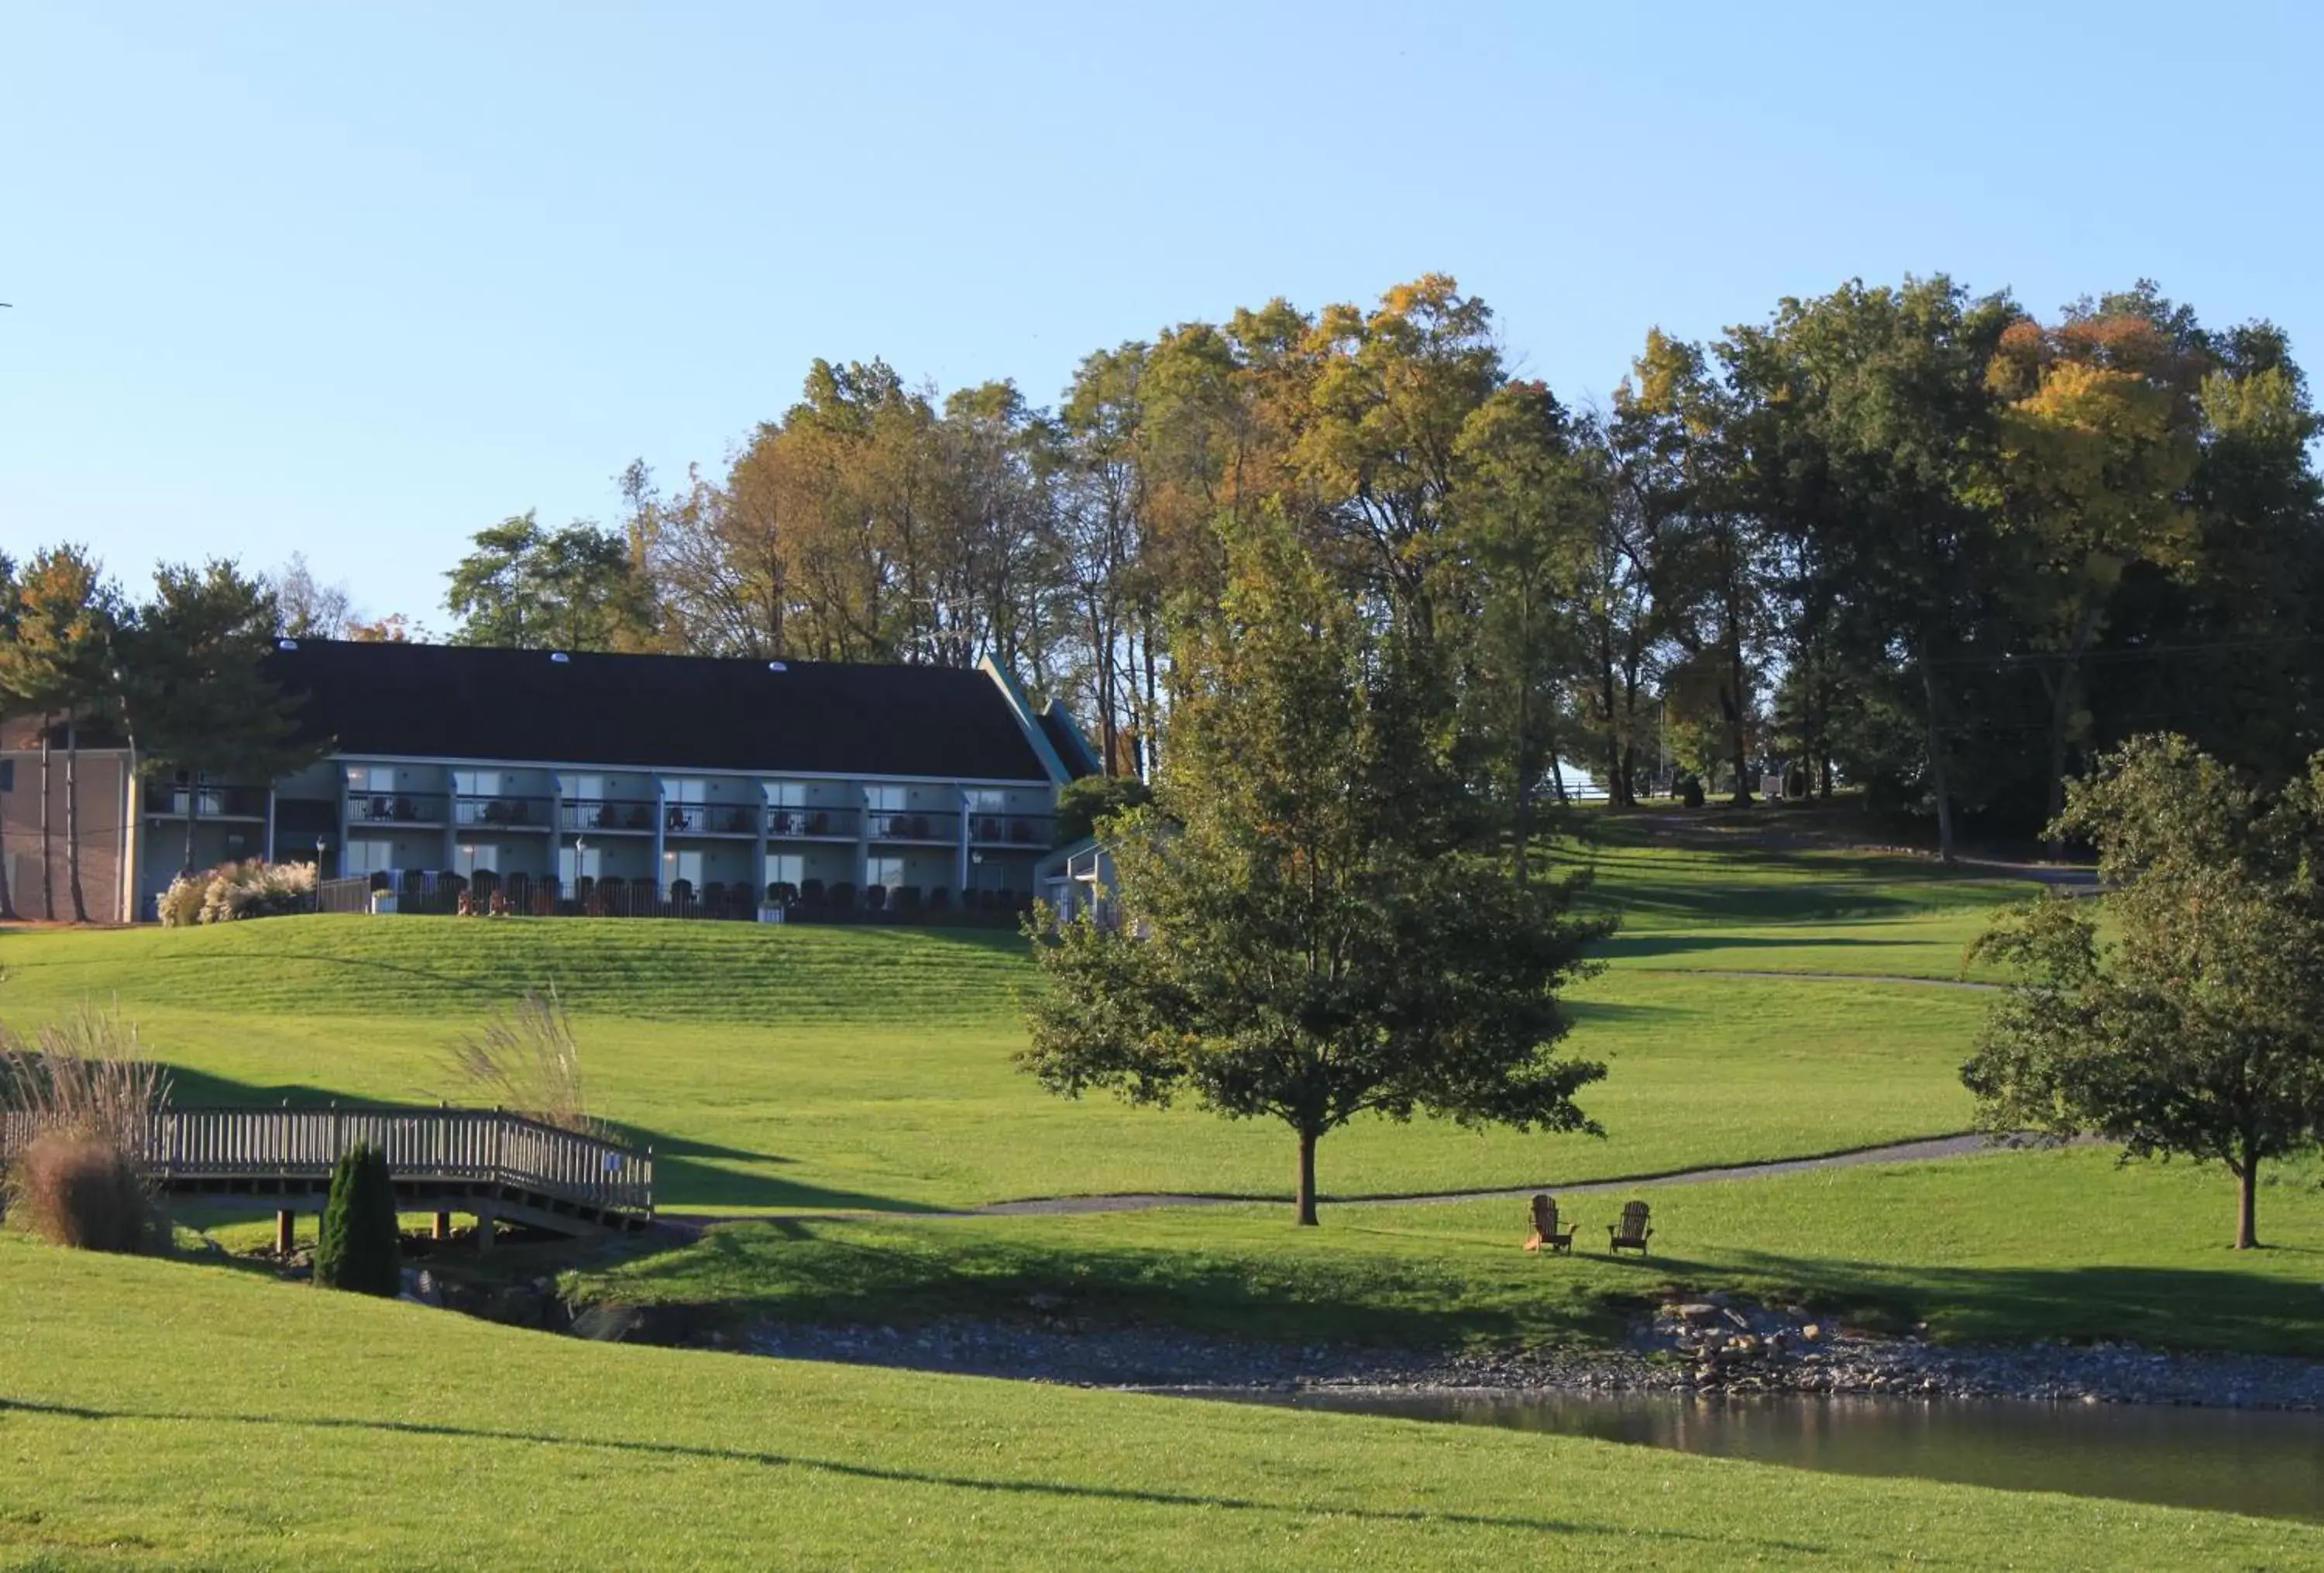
x=286, y=644
x=559, y=657
x=777, y=666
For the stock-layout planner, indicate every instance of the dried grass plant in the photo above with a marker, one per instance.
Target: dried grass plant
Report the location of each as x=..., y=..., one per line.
x=525, y=1061
x=76, y=1111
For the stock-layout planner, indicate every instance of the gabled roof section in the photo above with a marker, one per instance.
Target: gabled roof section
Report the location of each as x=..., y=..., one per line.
x=657, y=712
x=1065, y=740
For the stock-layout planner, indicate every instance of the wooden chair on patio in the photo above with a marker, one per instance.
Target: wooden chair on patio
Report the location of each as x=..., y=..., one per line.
x=1546, y=1231
x=1632, y=1232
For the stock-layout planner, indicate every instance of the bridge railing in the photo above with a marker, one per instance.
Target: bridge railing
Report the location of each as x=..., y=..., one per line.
x=483, y=1145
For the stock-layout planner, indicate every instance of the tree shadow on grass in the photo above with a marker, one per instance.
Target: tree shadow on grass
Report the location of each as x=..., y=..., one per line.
x=1145, y=1496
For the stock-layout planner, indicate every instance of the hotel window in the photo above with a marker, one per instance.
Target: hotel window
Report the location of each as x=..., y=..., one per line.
x=884, y=800
x=787, y=868
x=887, y=871
x=684, y=865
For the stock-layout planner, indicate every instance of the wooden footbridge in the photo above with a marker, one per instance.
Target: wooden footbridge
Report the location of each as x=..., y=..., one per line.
x=502, y=1167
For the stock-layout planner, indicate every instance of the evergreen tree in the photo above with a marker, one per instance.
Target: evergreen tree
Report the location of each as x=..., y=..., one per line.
x=197, y=692
x=360, y=1248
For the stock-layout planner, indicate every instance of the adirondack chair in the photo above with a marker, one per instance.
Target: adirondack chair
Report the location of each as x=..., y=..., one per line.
x=1632, y=1232
x=1545, y=1227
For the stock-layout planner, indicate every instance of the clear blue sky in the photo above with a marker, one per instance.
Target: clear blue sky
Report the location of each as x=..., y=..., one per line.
x=360, y=280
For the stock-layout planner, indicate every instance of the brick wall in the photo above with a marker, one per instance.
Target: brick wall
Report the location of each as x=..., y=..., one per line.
x=101, y=777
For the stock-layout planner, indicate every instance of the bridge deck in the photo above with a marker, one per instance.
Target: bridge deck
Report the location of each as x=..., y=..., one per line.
x=470, y=1159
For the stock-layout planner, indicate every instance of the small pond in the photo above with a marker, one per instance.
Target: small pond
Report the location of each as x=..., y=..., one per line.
x=2269, y=1463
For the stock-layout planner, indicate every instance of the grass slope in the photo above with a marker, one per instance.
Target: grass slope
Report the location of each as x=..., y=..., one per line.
x=170, y=1415
x=2006, y=1247
x=844, y=1068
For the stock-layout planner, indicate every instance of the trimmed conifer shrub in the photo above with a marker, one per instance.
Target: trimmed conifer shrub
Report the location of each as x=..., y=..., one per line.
x=359, y=1248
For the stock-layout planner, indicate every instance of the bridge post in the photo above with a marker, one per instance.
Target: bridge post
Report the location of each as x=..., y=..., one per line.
x=285, y=1232
x=443, y=1230
x=486, y=1226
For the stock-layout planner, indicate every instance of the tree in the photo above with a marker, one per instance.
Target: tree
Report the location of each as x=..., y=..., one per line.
x=525, y=588
x=2198, y=1029
x=60, y=662
x=360, y=1246
x=1086, y=804
x=1866, y=421
x=1312, y=927
x=197, y=696
x=306, y=608
x=9, y=594
x=1529, y=504
x=2098, y=440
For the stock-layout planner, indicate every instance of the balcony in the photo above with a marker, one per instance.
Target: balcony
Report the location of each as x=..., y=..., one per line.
x=1028, y=832
x=802, y=824
x=710, y=820
x=936, y=829
x=208, y=802
x=630, y=815
x=496, y=812
x=413, y=808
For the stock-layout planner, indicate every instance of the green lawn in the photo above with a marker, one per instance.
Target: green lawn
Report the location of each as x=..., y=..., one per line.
x=861, y=1068
x=2004, y=1247
x=168, y=1415
x=176, y=1414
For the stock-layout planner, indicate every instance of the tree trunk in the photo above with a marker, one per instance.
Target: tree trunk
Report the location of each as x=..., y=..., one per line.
x=72, y=819
x=1307, y=1179
x=7, y=890
x=2061, y=709
x=48, y=866
x=2246, y=1204
x=1937, y=761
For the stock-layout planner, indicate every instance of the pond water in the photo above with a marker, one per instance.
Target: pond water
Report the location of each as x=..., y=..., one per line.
x=2269, y=1463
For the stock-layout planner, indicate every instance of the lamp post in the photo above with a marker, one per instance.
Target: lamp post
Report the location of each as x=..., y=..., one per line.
x=318, y=856
x=580, y=847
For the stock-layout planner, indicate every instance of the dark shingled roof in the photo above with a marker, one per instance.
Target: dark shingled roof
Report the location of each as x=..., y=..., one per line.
x=666, y=712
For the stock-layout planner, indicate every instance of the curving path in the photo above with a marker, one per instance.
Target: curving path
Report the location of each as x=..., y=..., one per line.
x=1897, y=978
x=1963, y=1145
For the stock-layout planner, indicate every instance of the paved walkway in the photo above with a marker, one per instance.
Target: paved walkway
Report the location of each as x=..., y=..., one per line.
x=1816, y=977
x=1957, y=1146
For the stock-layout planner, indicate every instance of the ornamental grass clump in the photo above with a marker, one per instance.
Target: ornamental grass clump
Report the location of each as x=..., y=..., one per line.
x=360, y=1250
x=235, y=890
x=528, y=1063
x=79, y=1108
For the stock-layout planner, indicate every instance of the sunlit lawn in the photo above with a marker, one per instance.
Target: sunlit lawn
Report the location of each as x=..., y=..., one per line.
x=171, y=1415
x=805, y=1068
x=2006, y=1247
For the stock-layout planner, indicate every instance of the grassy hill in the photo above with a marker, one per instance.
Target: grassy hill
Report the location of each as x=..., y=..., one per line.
x=814, y=1066
x=169, y=1415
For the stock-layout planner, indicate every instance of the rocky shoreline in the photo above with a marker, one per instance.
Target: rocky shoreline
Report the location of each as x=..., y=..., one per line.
x=1670, y=1356
x=1709, y=1347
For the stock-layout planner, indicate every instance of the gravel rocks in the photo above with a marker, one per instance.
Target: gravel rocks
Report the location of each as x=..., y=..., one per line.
x=1699, y=1347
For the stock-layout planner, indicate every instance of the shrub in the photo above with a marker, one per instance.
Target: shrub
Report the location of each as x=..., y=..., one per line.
x=875, y=897
x=843, y=896
x=781, y=893
x=1689, y=791
x=235, y=890
x=1085, y=804
x=81, y=1191
x=360, y=1250
x=84, y=1105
